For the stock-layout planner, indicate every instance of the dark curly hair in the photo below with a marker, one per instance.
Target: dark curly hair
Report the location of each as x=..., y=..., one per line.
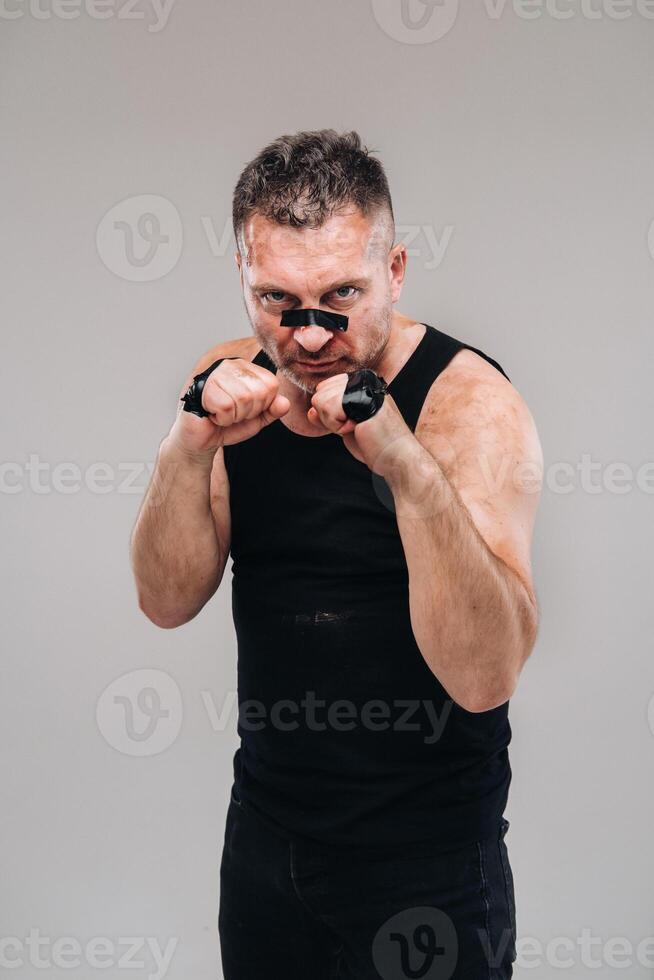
x=300, y=180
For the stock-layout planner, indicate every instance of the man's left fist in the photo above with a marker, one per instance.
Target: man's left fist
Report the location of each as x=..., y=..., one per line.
x=378, y=442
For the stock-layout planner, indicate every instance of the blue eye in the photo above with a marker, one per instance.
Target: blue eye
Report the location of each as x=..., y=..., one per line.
x=276, y=294
x=342, y=292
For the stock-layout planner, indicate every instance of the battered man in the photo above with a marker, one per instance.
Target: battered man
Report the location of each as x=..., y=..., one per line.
x=382, y=591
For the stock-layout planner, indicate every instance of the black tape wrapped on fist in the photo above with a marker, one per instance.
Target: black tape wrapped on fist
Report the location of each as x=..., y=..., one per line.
x=193, y=397
x=363, y=395
x=362, y=398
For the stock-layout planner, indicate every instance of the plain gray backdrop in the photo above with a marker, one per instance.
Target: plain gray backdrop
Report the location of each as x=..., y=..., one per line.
x=519, y=145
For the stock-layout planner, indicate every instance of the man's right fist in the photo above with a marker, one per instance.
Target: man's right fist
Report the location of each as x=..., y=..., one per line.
x=240, y=397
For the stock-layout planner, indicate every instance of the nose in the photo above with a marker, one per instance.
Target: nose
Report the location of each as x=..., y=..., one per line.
x=312, y=338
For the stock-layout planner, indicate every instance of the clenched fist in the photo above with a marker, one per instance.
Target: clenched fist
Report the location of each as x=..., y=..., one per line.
x=240, y=397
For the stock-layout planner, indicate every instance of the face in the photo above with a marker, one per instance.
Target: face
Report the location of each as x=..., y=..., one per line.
x=349, y=265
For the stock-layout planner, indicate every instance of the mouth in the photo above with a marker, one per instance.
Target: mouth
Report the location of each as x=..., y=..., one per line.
x=318, y=366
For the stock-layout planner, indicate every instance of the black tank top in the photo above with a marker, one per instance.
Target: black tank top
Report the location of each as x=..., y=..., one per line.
x=347, y=737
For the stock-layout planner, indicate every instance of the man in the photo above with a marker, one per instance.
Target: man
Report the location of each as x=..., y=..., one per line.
x=382, y=592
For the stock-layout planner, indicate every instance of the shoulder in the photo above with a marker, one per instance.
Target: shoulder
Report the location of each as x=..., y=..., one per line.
x=478, y=427
x=245, y=347
x=471, y=396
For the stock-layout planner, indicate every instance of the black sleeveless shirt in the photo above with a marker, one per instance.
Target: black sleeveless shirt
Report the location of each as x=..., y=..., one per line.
x=347, y=737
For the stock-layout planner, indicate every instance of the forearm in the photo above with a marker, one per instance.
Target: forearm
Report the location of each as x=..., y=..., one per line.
x=175, y=551
x=472, y=617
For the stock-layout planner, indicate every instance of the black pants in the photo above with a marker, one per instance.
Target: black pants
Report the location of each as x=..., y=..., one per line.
x=299, y=911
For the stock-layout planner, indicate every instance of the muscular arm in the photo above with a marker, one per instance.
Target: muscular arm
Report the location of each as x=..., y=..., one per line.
x=465, y=499
x=181, y=538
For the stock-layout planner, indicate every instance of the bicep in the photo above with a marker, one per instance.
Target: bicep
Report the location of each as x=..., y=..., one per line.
x=491, y=454
x=500, y=483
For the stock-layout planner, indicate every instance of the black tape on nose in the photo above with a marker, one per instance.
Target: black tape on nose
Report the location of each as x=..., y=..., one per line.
x=313, y=318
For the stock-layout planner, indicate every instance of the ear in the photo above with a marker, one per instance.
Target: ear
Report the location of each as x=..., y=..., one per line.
x=397, y=260
x=237, y=256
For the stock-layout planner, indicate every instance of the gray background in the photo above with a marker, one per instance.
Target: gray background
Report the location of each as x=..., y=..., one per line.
x=530, y=138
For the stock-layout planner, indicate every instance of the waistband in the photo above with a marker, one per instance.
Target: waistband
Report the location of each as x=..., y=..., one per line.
x=494, y=828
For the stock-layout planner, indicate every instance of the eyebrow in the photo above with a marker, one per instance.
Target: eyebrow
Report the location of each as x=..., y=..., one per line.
x=357, y=282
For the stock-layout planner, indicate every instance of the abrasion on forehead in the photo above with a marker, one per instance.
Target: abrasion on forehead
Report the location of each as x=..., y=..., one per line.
x=347, y=234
